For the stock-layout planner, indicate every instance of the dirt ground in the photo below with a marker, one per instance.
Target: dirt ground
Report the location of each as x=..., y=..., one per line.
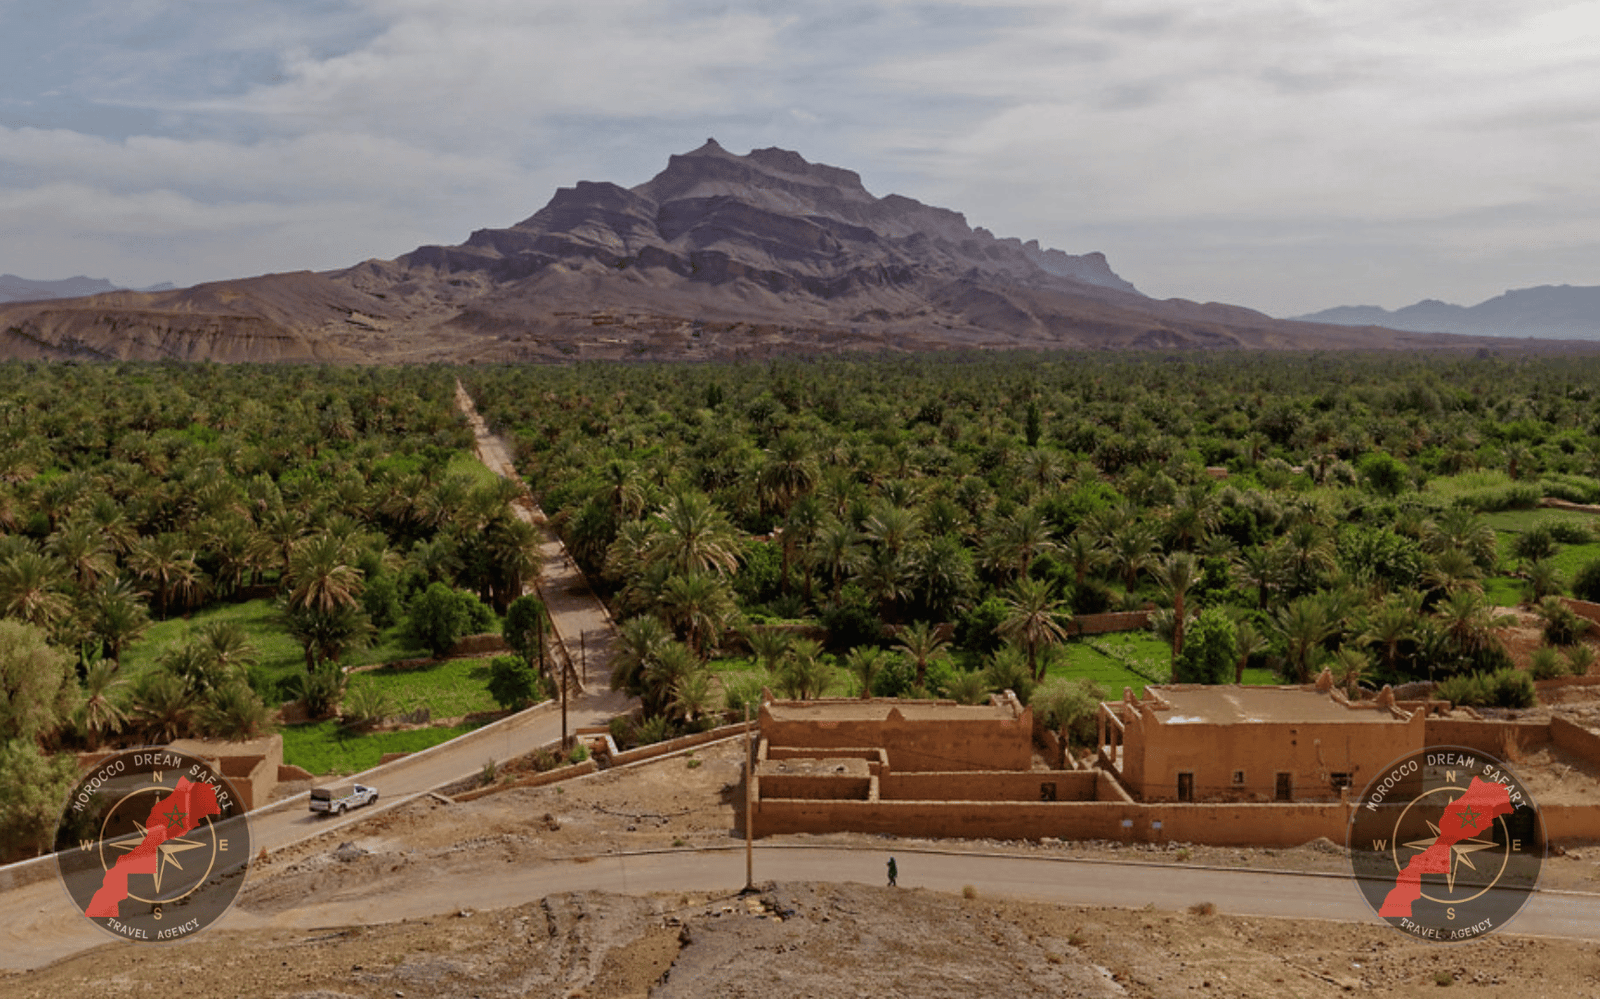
x=793, y=939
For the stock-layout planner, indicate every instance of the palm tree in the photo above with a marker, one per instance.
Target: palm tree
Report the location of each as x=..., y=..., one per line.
x=639, y=642
x=165, y=561
x=1175, y=575
x=515, y=550
x=1391, y=622
x=701, y=605
x=1308, y=553
x=922, y=645
x=85, y=551
x=790, y=472
x=1302, y=626
x=1017, y=540
x=695, y=536
x=693, y=696
x=1452, y=571
x=1469, y=622
x=892, y=528
x=804, y=674
x=32, y=589
x=1350, y=667
x=1034, y=619
x=117, y=616
x=1465, y=530
x=235, y=713
x=100, y=714
x=836, y=551
x=1132, y=550
x=322, y=576
x=1248, y=642
x=1084, y=553
x=865, y=662
x=1261, y=567
x=799, y=530
x=162, y=707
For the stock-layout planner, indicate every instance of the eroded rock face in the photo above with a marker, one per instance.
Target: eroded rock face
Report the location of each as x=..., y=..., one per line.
x=718, y=255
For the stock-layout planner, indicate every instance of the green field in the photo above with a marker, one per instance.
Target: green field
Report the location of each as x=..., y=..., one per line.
x=280, y=655
x=324, y=748
x=449, y=689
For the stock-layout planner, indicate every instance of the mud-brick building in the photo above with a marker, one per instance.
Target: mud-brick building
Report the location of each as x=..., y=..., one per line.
x=1193, y=742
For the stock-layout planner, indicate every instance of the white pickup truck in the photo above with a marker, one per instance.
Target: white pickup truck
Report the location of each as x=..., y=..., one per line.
x=335, y=800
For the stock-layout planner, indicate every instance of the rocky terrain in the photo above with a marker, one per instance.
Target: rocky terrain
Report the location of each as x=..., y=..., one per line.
x=830, y=939
x=717, y=256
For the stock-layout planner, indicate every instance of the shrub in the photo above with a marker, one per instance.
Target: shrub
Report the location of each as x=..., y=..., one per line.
x=621, y=728
x=744, y=690
x=977, y=628
x=1506, y=688
x=512, y=682
x=1579, y=658
x=381, y=600
x=1586, y=584
x=1210, y=650
x=1546, y=664
x=653, y=730
x=365, y=706
x=1562, y=625
x=321, y=689
x=1536, y=543
x=439, y=616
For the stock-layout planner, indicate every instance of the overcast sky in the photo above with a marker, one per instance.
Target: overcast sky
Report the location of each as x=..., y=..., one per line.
x=1287, y=156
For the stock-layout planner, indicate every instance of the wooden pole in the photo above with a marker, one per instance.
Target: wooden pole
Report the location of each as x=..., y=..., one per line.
x=749, y=806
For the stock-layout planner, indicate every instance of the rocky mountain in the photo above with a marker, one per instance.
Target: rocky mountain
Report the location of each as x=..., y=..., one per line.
x=17, y=289
x=1552, y=311
x=719, y=255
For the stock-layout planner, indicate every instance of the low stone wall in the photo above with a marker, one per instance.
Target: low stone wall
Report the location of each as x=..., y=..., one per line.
x=535, y=780
x=673, y=745
x=1266, y=825
x=816, y=787
x=478, y=645
x=1100, y=624
x=1030, y=786
x=1575, y=739
x=1486, y=736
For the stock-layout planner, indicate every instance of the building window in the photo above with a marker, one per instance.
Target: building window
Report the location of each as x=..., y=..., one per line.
x=1238, y=778
x=1047, y=791
x=1342, y=780
x=1285, y=789
x=1186, y=787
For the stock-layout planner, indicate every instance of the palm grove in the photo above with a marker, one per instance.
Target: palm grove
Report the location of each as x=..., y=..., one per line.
x=942, y=519
x=131, y=494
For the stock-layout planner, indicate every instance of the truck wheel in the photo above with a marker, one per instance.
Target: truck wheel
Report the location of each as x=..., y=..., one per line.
x=374, y=799
x=340, y=811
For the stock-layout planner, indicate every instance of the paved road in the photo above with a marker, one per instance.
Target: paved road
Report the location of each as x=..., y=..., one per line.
x=582, y=623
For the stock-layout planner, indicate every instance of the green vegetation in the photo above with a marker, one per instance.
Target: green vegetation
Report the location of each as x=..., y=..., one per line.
x=327, y=748
x=448, y=688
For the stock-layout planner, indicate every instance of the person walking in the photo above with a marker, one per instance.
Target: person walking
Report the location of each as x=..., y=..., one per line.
x=894, y=872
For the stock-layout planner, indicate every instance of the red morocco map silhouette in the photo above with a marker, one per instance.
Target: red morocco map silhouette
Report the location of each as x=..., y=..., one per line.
x=1467, y=816
x=173, y=816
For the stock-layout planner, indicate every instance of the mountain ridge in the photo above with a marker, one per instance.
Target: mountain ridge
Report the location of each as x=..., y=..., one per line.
x=1559, y=311
x=717, y=256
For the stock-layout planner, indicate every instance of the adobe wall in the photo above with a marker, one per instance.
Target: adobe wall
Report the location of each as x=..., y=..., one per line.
x=1571, y=823
x=1575, y=739
x=1069, y=785
x=816, y=787
x=1099, y=624
x=1267, y=825
x=915, y=744
x=1485, y=736
x=1310, y=751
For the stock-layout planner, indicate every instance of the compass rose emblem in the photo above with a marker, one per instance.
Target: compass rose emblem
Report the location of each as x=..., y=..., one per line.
x=1446, y=844
x=153, y=845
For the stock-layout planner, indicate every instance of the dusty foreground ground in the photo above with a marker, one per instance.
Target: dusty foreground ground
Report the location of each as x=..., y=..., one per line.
x=824, y=940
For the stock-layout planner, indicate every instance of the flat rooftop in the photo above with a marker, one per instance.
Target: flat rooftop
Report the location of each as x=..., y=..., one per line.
x=878, y=710
x=1233, y=705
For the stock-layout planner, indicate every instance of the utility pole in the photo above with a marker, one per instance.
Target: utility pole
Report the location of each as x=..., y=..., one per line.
x=749, y=807
x=566, y=675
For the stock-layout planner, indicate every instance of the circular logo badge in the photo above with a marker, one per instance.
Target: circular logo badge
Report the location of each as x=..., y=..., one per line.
x=1446, y=844
x=153, y=845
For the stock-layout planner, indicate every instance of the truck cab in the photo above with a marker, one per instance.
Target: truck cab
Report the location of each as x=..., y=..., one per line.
x=337, y=799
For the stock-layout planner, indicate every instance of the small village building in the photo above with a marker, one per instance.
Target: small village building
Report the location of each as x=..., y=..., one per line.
x=1197, y=742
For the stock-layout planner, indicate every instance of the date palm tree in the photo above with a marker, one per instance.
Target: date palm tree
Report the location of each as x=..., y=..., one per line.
x=84, y=550
x=33, y=589
x=101, y=714
x=322, y=575
x=1176, y=574
x=921, y=645
x=701, y=604
x=865, y=662
x=1035, y=619
x=117, y=616
x=695, y=535
x=1302, y=626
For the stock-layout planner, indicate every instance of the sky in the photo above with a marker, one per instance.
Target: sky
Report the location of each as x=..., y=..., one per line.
x=1286, y=155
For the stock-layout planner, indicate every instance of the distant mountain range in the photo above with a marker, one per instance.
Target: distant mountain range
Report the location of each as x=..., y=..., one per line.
x=1554, y=311
x=16, y=289
x=718, y=255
